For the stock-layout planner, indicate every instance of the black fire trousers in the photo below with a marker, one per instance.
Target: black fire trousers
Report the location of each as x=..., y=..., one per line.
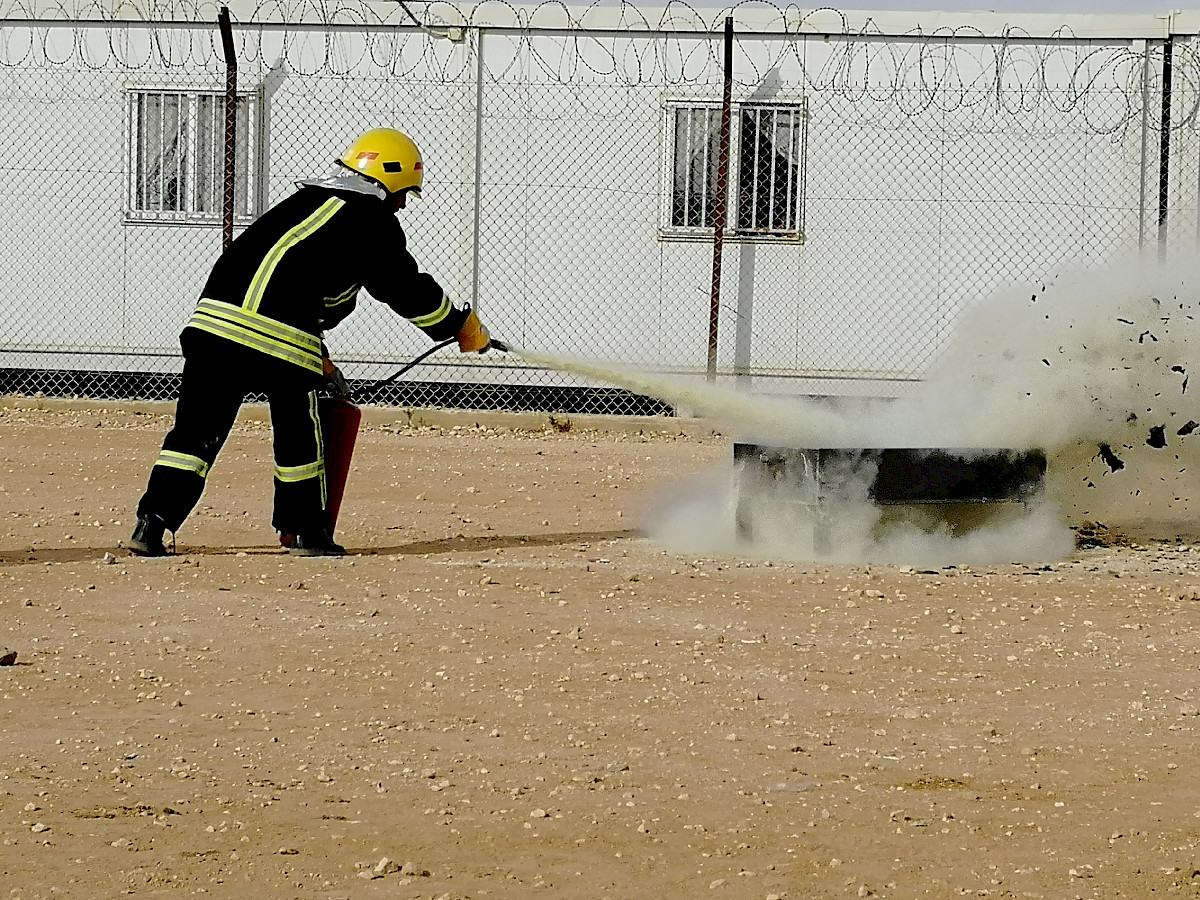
x=210, y=395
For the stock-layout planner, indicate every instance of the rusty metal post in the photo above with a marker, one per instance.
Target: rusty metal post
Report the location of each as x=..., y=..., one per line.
x=721, y=207
x=230, y=126
x=1164, y=147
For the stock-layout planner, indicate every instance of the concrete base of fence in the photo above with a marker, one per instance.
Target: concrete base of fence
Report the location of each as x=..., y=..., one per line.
x=411, y=417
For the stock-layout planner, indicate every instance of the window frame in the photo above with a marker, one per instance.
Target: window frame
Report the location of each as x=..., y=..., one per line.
x=795, y=233
x=137, y=212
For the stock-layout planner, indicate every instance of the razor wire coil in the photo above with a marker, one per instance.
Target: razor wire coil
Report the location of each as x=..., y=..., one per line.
x=944, y=69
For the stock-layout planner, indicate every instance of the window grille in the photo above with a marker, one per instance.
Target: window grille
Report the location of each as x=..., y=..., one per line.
x=766, y=177
x=177, y=156
x=697, y=143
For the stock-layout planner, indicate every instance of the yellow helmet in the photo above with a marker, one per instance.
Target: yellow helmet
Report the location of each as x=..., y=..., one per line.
x=388, y=157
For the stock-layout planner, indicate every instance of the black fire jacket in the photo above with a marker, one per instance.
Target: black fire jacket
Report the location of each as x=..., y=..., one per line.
x=297, y=270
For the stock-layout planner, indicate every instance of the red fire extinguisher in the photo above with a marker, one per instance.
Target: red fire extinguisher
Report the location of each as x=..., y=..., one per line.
x=340, y=420
x=339, y=429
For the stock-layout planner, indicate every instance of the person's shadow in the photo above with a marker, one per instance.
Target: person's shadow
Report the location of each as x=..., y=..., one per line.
x=457, y=544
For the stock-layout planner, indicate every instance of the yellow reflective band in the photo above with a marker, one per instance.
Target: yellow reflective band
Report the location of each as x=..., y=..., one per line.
x=258, y=333
x=434, y=317
x=174, y=460
x=258, y=284
x=300, y=473
x=314, y=413
x=272, y=328
x=257, y=342
x=331, y=302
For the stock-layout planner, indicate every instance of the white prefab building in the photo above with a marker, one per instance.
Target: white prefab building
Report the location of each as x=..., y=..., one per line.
x=881, y=173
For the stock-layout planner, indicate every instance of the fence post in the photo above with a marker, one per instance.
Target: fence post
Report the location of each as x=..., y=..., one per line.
x=478, y=199
x=719, y=213
x=1145, y=153
x=230, y=125
x=1164, y=147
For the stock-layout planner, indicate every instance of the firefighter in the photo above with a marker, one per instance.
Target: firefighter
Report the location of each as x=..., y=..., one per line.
x=291, y=275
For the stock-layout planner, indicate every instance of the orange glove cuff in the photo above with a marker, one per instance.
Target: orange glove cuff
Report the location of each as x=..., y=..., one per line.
x=473, y=337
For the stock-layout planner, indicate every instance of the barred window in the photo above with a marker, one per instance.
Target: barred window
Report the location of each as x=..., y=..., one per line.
x=766, y=174
x=696, y=134
x=177, y=156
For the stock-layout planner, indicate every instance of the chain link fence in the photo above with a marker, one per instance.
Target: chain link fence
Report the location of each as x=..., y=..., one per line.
x=879, y=185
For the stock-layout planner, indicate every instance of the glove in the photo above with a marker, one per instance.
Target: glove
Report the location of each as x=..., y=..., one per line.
x=473, y=337
x=335, y=382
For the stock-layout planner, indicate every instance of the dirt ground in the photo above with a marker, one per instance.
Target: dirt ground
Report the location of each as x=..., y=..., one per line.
x=509, y=692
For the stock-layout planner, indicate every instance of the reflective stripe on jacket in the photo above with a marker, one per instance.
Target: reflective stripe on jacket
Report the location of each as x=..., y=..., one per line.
x=258, y=332
x=297, y=269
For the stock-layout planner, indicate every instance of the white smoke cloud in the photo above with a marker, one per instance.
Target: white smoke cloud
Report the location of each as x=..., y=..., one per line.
x=1091, y=367
x=1090, y=356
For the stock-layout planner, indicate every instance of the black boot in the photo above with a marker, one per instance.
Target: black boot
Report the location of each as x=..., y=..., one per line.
x=147, y=537
x=318, y=542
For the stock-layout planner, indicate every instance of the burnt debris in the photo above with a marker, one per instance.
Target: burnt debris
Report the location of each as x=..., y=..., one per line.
x=1114, y=462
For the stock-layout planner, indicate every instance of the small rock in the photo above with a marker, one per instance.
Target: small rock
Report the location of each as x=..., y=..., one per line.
x=790, y=787
x=39, y=828
x=410, y=870
x=109, y=558
x=287, y=851
x=1188, y=709
x=539, y=813
x=8, y=657
x=956, y=629
x=386, y=866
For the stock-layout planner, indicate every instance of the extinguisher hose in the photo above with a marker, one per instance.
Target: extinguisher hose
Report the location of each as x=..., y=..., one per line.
x=363, y=394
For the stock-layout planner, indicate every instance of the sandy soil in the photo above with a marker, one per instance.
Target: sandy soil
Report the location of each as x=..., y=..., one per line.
x=509, y=692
